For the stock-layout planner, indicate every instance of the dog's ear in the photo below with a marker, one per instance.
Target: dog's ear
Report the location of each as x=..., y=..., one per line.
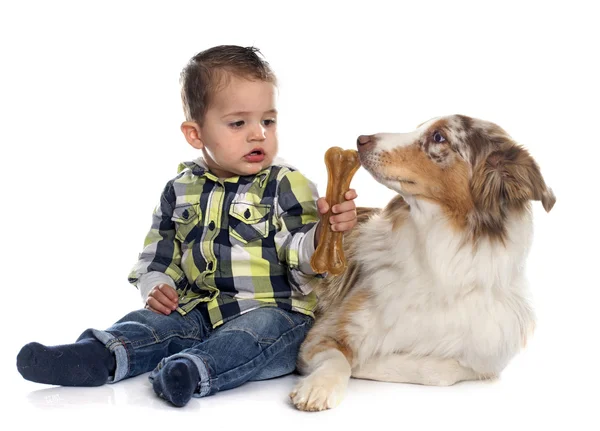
x=510, y=177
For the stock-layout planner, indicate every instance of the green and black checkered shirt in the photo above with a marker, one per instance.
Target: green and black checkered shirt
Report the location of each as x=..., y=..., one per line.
x=233, y=245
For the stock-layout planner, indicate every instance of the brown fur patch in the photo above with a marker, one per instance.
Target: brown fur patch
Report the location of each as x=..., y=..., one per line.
x=328, y=343
x=448, y=186
x=504, y=182
x=396, y=211
x=338, y=338
x=332, y=290
x=440, y=126
x=363, y=214
x=353, y=304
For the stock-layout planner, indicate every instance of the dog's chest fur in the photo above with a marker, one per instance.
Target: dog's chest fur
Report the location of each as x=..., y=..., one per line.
x=432, y=293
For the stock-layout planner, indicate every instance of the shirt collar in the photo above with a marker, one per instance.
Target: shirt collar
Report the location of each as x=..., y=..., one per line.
x=200, y=168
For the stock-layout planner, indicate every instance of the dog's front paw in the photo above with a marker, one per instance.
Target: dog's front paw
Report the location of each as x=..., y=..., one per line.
x=319, y=392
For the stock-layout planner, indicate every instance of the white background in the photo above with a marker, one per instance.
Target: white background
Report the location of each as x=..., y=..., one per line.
x=89, y=134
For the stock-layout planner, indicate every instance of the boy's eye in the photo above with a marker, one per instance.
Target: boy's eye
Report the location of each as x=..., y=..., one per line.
x=236, y=124
x=269, y=122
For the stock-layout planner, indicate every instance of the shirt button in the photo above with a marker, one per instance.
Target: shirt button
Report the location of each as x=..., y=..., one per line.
x=211, y=225
x=185, y=214
x=209, y=266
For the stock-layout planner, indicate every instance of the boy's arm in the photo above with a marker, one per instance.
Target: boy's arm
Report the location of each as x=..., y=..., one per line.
x=152, y=279
x=159, y=262
x=297, y=219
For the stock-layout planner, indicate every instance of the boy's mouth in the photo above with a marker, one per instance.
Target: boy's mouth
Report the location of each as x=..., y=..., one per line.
x=255, y=156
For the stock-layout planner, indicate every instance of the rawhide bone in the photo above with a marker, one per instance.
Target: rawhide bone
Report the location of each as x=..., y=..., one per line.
x=341, y=166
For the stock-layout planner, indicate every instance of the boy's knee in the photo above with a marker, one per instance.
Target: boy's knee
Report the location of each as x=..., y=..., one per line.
x=267, y=324
x=143, y=316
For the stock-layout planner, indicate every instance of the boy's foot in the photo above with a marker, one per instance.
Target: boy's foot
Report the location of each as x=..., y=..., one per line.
x=85, y=363
x=177, y=381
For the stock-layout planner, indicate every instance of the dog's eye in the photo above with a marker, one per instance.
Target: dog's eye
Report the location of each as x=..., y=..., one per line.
x=437, y=137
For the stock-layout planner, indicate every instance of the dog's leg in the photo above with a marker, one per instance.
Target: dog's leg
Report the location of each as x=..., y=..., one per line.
x=326, y=384
x=427, y=370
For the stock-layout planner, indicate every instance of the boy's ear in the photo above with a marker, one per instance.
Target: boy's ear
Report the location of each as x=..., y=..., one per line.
x=191, y=131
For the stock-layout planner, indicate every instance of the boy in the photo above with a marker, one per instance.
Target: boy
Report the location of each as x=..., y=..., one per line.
x=225, y=272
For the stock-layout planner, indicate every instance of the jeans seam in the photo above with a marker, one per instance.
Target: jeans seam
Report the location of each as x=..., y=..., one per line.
x=245, y=330
x=202, y=393
x=150, y=341
x=112, y=343
x=285, y=314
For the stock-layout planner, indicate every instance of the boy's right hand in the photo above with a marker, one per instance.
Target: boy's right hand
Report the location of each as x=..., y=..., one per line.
x=162, y=299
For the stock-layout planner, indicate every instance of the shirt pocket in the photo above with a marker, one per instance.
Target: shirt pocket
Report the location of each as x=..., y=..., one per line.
x=187, y=218
x=248, y=221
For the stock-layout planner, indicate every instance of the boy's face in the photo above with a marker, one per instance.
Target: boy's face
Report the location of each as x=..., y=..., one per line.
x=239, y=134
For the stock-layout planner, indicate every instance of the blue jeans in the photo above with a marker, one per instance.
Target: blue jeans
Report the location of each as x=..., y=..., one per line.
x=260, y=344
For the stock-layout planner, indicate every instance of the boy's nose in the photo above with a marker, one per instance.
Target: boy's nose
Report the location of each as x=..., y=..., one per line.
x=258, y=133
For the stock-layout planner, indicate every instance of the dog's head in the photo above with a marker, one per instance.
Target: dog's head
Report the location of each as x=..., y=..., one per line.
x=469, y=167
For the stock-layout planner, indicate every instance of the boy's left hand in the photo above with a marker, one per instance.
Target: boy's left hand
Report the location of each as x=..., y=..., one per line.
x=344, y=214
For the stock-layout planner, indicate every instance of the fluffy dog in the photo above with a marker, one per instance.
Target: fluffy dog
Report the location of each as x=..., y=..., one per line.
x=435, y=290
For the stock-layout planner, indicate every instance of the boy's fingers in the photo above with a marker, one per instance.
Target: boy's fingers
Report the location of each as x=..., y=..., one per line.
x=344, y=207
x=343, y=217
x=147, y=307
x=162, y=299
x=155, y=311
x=322, y=205
x=351, y=194
x=343, y=227
x=154, y=305
x=169, y=292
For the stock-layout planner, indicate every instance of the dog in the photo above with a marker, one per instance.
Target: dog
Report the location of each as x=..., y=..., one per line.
x=434, y=291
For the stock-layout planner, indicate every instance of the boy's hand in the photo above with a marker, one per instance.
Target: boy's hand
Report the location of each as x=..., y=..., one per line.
x=344, y=218
x=162, y=299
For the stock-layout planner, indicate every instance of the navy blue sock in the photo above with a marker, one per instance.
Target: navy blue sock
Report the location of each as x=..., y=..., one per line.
x=177, y=381
x=85, y=363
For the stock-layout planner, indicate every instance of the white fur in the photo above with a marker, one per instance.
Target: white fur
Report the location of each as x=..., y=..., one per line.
x=326, y=385
x=438, y=297
x=389, y=141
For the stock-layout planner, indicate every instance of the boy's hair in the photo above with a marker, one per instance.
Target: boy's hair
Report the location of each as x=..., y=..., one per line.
x=209, y=70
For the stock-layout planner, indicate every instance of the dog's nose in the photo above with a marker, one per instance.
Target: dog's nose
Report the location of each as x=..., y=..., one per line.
x=363, y=139
x=365, y=142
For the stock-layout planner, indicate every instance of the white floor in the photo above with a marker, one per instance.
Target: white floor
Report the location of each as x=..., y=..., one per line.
x=541, y=387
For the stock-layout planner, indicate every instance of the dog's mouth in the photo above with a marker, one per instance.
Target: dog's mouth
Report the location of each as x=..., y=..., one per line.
x=400, y=181
x=388, y=179
x=373, y=163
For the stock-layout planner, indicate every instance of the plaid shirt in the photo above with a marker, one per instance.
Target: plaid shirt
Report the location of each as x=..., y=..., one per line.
x=233, y=245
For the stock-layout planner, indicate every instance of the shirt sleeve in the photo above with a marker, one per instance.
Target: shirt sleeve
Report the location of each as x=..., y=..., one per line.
x=162, y=251
x=296, y=217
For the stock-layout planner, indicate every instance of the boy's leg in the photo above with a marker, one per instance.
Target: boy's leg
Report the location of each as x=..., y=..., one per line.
x=86, y=363
x=132, y=346
x=259, y=344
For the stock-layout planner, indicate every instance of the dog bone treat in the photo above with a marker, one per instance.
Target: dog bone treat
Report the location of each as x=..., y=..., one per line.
x=341, y=166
